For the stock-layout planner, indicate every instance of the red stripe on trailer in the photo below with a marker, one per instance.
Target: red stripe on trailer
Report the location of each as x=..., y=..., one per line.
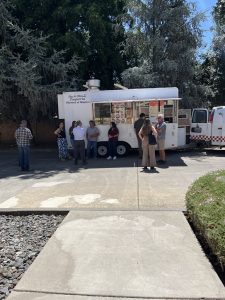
x=208, y=138
x=218, y=138
x=201, y=137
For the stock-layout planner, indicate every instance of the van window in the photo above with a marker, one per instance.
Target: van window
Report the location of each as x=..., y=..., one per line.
x=199, y=116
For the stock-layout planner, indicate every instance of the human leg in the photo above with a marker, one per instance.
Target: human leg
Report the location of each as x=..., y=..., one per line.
x=140, y=150
x=64, y=148
x=114, y=149
x=60, y=148
x=82, y=151
x=95, y=149
x=161, y=147
x=20, y=150
x=152, y=155
x=72, y=144
x=89, y=146
x=26, y=158
x=145, y=156
x=110, y=143
x=76, y=152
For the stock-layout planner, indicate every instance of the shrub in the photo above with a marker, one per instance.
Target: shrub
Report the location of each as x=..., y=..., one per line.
x=205, y=201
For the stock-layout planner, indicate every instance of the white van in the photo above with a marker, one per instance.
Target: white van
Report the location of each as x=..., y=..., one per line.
x=123, y=107
x=209, y=127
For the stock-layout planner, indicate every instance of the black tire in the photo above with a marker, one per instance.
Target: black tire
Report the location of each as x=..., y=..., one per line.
x=102, y=149
x=122, y=149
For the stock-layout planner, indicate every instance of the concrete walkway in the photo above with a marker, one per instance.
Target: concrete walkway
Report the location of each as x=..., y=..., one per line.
x=125, y=235
x=123, y=254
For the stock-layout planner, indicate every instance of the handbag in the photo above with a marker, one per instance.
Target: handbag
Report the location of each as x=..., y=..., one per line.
x=151, y=139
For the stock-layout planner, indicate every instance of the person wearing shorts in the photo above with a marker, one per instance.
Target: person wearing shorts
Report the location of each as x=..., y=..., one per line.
x=161, y=131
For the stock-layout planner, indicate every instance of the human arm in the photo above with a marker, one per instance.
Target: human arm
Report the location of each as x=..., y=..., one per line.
x=97, y=132
x=30, y=136
x=140, y=134
x=154, y=131
x=16, y=135
x=56, y=132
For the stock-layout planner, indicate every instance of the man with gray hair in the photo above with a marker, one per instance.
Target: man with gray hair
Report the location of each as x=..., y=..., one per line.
x=23, y=136
x=161, y=131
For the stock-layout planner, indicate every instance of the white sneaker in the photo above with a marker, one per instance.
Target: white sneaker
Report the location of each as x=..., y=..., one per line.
x=114, y=157
x=109, y=157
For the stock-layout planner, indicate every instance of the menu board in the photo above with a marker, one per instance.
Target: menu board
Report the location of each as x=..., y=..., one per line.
x=118, y=113
x=122, y=113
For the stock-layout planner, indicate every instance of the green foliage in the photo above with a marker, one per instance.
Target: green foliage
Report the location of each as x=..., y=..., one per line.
x=206, y=206
x=218, y=78
x=213, y=66
x=29, y=78
x=165, y=36
x=89, y=29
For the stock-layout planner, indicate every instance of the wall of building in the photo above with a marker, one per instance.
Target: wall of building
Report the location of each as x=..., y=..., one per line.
x=43, y=132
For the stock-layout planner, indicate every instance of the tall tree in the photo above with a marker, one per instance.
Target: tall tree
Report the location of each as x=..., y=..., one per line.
x=218, y=54
x=29, y=78
x=165, y=35
x=88, y=28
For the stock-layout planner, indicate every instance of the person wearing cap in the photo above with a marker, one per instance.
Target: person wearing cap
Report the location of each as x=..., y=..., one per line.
x=23, y=137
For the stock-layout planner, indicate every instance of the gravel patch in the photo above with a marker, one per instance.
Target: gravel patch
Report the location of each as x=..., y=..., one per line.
x=21, y=239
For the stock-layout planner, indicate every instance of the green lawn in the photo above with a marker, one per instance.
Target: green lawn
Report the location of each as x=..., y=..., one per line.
x=206, y=207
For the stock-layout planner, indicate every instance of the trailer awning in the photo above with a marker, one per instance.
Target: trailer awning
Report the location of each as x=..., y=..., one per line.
x=147, y=94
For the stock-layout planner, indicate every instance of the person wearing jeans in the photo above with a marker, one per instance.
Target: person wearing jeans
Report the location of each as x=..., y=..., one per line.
x=23, y=136
x=92, y=137
x=113, y=134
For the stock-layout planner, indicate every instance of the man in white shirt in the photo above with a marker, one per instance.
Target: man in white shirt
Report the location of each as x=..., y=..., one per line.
x=79, y=144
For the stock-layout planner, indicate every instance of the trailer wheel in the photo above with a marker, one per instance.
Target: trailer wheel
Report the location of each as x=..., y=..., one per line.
x=102, y=149
x=122, y=148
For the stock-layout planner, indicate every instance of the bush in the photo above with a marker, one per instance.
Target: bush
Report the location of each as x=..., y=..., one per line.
x=205, y=201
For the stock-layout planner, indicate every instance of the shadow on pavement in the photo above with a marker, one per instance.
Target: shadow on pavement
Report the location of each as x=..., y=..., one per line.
x=45, y=164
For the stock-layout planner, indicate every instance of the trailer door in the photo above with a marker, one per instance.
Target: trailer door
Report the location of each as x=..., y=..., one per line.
x=218, y=126
x=200, y=127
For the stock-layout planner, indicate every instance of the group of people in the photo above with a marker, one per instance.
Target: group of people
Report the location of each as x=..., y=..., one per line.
x=147, y=135
x=77, y=138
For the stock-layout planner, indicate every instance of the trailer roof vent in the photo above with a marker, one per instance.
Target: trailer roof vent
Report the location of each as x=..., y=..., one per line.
x=93, y=84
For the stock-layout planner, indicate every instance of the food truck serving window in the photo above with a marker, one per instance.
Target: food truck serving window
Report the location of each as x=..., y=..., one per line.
x=118, y=112
x=102, y=113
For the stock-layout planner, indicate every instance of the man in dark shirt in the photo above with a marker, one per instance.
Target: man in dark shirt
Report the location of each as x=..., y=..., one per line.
x=137, y=126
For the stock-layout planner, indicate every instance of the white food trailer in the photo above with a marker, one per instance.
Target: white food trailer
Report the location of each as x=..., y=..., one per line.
x=124, y=107
x=208, y=127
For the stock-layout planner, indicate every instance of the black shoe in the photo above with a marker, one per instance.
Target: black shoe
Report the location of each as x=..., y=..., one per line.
x=145, y=168
x=152, y=168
